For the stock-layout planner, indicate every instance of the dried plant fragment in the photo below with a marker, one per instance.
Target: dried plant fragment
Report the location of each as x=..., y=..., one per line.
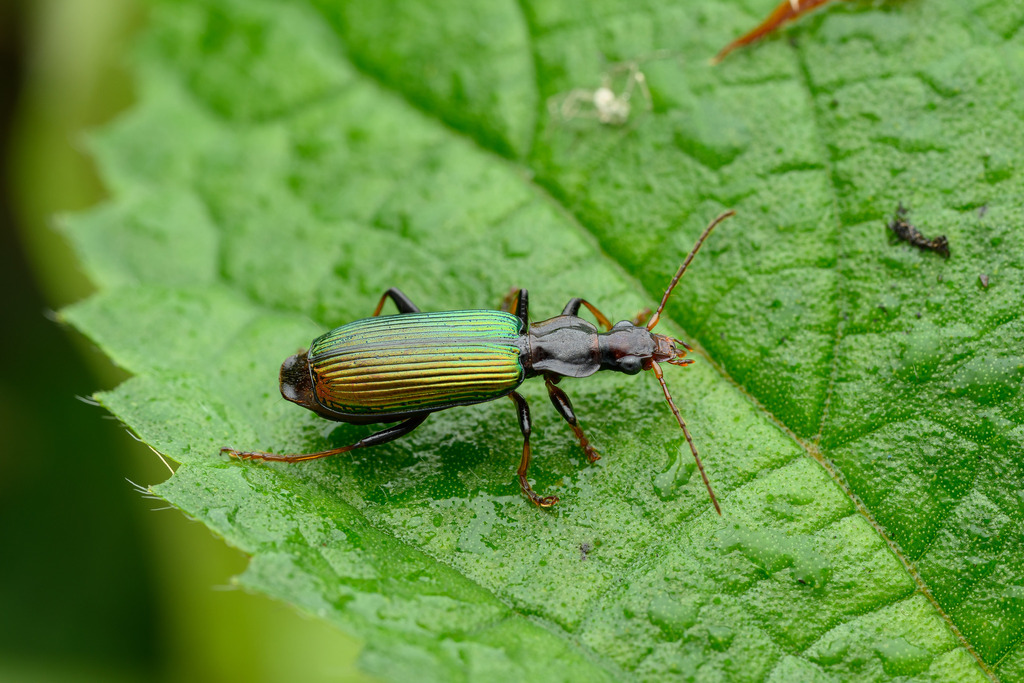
x=904, y=231
x=787, y=11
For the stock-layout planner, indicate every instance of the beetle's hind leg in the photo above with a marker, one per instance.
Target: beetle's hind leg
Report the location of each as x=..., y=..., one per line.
x=383, y=436
x=523, y=410
x=402, y=302
x=564, y=408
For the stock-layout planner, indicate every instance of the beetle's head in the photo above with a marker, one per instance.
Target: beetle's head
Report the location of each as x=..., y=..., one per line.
x=626, y=348
x=631, y=348
x=670, y=350
x=296, y=382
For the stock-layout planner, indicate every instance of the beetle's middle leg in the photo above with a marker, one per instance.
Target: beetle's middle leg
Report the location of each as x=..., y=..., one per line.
x=564, y=408
x=517, y=301
x=523, y=410
x=376, y=439
x=401, y=301
x=573, y=308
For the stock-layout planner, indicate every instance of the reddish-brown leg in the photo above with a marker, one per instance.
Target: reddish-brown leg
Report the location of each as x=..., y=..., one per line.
x=517, y=301
x=787, y=11
x=573, y=308
x=383, y=436
x=564, y=408
x=523, y=411
x=641, y=317
x=509, y=300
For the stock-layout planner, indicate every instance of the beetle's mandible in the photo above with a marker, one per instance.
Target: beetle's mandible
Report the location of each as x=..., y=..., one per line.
x=400, y=368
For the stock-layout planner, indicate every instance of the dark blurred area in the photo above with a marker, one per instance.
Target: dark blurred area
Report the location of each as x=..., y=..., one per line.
x=97, y=583
x=76, y=585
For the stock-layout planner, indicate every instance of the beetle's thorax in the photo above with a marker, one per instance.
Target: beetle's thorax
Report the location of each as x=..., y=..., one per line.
x=564, y=345
x=572, y=347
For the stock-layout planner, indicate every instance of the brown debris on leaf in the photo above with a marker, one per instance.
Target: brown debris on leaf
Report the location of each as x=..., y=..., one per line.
x=904, y=231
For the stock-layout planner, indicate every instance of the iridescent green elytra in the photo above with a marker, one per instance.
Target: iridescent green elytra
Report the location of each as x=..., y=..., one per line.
x=395, y=364
x=400, y=368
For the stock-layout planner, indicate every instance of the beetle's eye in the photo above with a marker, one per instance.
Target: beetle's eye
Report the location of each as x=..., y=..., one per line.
x=630, y=365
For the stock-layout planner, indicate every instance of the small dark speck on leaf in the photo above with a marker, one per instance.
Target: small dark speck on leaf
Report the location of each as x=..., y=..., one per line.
x=918, y=314
x=901, y=228
x=984, y=280
x=584, y=550
x=982, y=210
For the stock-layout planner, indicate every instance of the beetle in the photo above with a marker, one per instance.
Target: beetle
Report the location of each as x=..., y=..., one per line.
x=400, y=368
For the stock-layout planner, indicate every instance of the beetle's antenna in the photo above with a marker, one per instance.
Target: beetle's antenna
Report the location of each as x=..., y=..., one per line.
x=675, y=411
x=682, y=269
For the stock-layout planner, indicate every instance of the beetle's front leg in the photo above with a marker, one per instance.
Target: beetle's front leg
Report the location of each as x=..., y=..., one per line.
x=641, y=317
x=523, y=410
x=564, y=408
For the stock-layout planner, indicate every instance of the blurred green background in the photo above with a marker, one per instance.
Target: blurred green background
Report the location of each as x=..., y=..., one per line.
x=96, y=581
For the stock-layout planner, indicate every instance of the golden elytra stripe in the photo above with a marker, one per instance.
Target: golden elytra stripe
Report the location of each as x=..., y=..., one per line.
x=417, y=361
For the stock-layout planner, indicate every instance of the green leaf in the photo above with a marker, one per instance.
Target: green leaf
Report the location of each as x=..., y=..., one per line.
x=857, y=404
